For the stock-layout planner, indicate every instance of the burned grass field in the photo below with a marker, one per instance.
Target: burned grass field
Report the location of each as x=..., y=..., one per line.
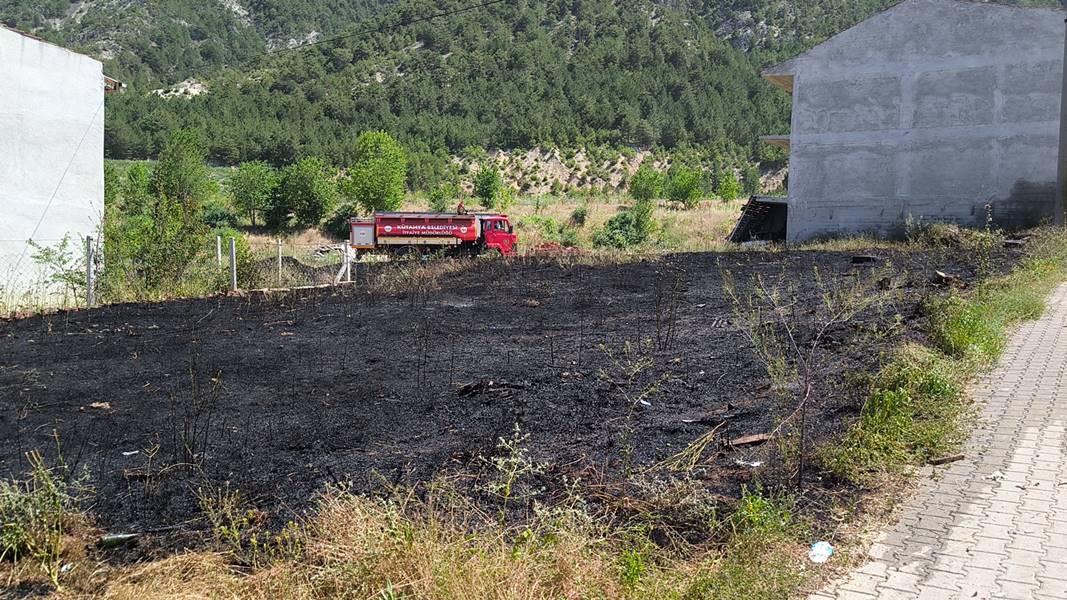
x=605, y=370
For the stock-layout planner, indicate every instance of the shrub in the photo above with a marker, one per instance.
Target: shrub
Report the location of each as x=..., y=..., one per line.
x=580, y=214
x=683, y=186
x=35, y=516
x=505, y=199
x=548, y=229
x=305, y=194
x=568, y=237
x=750, y=180
x=545, y=227
x=337, y=223
x=181, y=172
x=487, y=185
x=217, y=214
x=728, y=188
x=153, y=237
x=443, y=196
x=646, y=184
x=251, y=186
x=64, y=262
x=378, y=174
x=133, y=191
x=627, y=229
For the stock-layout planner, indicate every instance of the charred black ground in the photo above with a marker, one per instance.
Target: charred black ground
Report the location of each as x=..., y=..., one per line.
x=282, y=395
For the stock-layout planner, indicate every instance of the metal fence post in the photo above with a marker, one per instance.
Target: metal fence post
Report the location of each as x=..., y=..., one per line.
x=279, y=263
x=218, y=251
x=348, y=263
x=233, y=264
x=89, y=283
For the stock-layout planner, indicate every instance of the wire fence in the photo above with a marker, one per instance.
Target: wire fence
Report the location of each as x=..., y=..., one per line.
x=42, y=274
x=53, y=274
x=285, y=264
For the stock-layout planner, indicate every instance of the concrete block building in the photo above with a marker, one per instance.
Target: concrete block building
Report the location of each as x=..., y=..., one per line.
x=937, y=110
x=51, y=157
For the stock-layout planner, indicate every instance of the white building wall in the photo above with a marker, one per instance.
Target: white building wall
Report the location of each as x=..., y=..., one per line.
x=51, y=159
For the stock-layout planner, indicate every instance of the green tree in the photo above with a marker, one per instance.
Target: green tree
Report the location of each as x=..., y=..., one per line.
x=134, y=189
x=646, y=184
x=155, y=239
x=487, y=185
x=729, y=188
x=153, y=235
x=252, y=185
x=751, y=179
x=305, y=194
x=181, y=173
x=378, y=172
x=443, y=197
x=683, y=186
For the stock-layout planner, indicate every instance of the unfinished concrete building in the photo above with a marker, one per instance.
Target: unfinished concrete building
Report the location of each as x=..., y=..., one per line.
x=934, y=110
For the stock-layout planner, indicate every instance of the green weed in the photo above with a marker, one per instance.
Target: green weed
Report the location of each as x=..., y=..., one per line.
x=916, y=408
x=37, y=515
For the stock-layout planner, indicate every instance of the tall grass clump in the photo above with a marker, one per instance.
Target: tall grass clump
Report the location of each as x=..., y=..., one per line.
x=762, y=526
x=916, y=407
x=37, y=516
x=972, y=327
x=439, y=545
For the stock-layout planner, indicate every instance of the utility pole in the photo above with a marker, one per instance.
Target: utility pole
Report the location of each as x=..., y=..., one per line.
x=1061, y=170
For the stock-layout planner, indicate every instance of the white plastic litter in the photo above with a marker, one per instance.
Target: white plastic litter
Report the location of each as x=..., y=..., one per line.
x=131, y=452
x=820, y=552
x=752, y=464
x=645, y=403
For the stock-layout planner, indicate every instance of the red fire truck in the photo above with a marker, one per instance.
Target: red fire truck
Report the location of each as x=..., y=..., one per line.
x=418, y=233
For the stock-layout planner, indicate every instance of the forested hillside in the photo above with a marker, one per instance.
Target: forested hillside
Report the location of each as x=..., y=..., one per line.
x=512, y=74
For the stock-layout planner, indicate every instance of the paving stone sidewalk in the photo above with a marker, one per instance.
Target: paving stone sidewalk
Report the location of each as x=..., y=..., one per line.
x=995, y=524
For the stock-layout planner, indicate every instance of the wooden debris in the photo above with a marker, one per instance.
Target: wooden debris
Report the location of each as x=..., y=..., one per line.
x=864, y=259
x=943, y=460
x=942, y=278
x=1014, y=243
x=100, y=405
x=747, y=440
x=483, y=386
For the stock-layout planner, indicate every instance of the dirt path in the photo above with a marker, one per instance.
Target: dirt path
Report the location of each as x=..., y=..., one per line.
x=995, y=524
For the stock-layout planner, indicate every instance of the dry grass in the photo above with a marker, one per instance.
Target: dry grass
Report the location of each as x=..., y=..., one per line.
x=415, y=276
x=439, y=545
x=701, y=229
x=307, y=238
x=358, y=547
